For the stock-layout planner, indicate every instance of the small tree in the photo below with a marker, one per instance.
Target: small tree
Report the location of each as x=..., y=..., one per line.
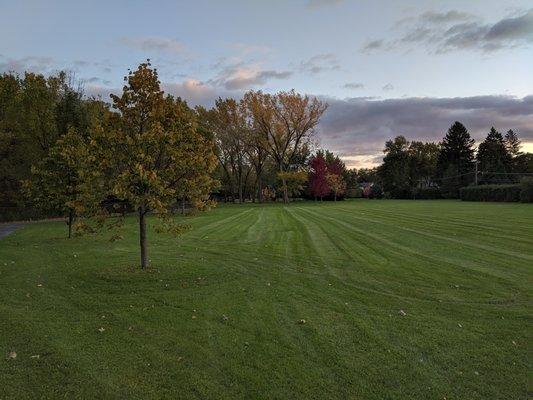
x=145, y=153
x=337, y=185
x=292, y=183
x=318, y=184
x=53, y=187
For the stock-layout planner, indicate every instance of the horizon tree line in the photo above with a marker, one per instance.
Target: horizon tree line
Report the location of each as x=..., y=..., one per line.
x=263, y=145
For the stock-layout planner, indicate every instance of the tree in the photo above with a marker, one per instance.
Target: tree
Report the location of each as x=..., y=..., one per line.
x=512, y=143
x=318, y=184
x=337, y=184
x=52, y=187
x=292, y=182
x=493, y=156
x=34, y=113
x=285, y=121
x=455, y=164
x=143, y=153
x=394, y=172
x=230, y=129
x=423, y=159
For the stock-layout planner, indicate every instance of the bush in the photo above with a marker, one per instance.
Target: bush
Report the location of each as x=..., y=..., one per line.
x=354, y=193
x=427, y=193
x=526, y=192
x=376, y=192
x=491, y=193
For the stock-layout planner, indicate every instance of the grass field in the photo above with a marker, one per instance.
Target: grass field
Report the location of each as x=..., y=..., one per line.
x=218, y=316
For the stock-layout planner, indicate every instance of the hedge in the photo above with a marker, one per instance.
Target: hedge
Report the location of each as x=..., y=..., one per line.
x=509, y=192
x=427, y=193
x=354, y=193
x=526, y=194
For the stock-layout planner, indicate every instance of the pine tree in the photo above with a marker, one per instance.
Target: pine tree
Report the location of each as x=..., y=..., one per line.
x=456, y=159
x=493, y=157
x=512, y=143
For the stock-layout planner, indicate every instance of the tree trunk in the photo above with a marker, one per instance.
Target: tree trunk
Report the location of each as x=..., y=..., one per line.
x=183, y=206
x=260, y=188
x=142, y=237
x=70, y=222
x=335, y=196
x=240, y=189
x=285, y=191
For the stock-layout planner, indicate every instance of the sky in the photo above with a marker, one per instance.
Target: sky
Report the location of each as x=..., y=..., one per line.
x=385, y=68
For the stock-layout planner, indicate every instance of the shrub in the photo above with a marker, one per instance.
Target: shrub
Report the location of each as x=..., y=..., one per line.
x=376, y=192
x=427, y=193
x=526, y=192
x=354, y=193
x=491, y=193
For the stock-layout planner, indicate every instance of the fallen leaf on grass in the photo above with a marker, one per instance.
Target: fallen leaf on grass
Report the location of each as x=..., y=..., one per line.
x=11, y=355
x=101, y=329
x=402, y=313
x=301, y=321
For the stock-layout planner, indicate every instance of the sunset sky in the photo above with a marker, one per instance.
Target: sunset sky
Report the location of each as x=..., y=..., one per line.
x=385, y=67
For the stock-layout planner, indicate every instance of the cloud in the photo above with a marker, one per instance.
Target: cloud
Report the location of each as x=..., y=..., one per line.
x=154, y=43
x=353, y=85
x=454, y=31
x=323, y=3
x=41, y=65
x=320, y=63
x=246, y=76
x=96, y=80
x=195, y=92
x=440, y=18
x=387, y=87
x=373, y=45
x=359, y=127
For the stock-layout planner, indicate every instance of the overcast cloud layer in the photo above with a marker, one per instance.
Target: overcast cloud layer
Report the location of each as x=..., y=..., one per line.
x=360, y=127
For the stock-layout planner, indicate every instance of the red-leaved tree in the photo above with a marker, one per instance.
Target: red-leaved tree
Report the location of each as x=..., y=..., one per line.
x=318, y=184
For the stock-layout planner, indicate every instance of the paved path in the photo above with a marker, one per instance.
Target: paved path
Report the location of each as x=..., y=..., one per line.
x=8, y=228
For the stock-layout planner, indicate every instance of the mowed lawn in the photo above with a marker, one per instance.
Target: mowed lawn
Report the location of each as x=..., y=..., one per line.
x=221, y=314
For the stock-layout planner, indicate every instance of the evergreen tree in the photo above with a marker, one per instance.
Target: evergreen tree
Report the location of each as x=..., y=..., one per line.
x=455, y=164
x=493, y=157
x=512, y=143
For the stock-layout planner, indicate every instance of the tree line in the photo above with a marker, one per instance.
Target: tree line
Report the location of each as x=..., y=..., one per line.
x=442, y=169
x=64, y=154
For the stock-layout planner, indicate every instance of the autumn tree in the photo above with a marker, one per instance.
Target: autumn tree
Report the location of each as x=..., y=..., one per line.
x=285, y=121
x=337, y=184
x=255, y=148
x=292, y=182
x=318, y=184
x=230, y=129
x=144, y=153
